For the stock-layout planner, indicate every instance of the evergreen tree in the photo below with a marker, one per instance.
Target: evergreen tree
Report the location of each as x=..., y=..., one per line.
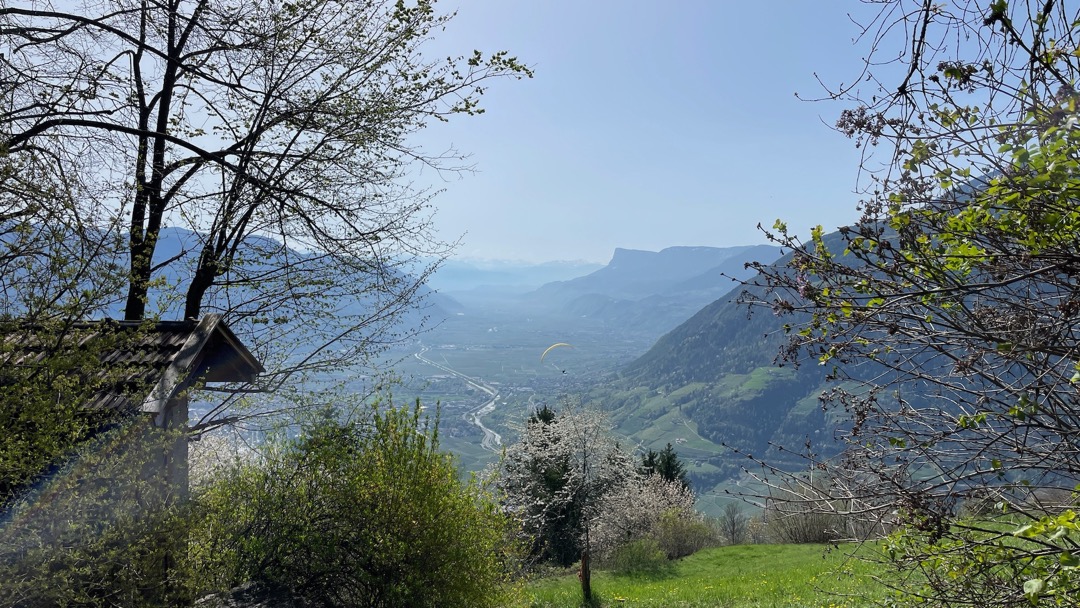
x=666, y=464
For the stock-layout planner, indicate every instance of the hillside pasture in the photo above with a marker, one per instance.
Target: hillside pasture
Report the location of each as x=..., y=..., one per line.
x=743, y=576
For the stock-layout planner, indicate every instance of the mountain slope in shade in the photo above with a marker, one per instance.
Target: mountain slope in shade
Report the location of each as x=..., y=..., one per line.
x=633, y=274
x=710, y=386
x=722, y=338
x=712, y=383
x=652, y=292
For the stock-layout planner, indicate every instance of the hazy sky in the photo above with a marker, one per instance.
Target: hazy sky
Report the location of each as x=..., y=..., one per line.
x=649, y=124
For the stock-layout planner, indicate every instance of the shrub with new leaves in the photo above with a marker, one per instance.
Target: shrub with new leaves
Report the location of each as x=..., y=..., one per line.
x=348, y=514
x=948, y=313
x=96, y=532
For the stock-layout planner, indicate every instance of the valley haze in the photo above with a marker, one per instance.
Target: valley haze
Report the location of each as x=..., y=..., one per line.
x=632, y=325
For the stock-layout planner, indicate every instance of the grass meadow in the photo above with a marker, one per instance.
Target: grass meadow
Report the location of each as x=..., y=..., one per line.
x=743, y=576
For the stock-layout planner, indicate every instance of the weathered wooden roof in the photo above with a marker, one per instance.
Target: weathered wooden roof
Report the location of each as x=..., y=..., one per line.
x=147, y=364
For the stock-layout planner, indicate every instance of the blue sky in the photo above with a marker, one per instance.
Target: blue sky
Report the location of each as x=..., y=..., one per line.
x=648, y=125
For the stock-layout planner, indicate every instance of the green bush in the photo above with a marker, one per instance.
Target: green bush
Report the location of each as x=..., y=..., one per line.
x=643, y=556
x=352, y=515
x=122, y=563
x=48, y=373
x=680, y=534
x=95, y=533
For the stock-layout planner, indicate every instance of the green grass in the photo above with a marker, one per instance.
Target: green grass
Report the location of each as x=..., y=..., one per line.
x=745, y=576
x=764, y=377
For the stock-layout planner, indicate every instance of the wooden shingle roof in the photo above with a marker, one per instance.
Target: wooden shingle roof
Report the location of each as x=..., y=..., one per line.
x=146, y=364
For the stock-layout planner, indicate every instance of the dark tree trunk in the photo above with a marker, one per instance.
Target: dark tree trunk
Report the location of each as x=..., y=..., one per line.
x=586, y=577
x=200, y=283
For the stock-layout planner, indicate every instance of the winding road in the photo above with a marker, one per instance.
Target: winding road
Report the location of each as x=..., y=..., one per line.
x=492, y=440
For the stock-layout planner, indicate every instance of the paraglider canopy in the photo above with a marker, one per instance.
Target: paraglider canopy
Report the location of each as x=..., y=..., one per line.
x=552, y=347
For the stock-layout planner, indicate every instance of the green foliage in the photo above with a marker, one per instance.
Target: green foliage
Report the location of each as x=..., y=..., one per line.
x=969, y=314
x=751, y=412
x=996, y=560
x=99, y=531
x=643, y=556
x=47, y=374
x=86, y=518
x=119, y=563
x=666, y=464
x=679, y=535
x=352, y=515
x=953, y=300
x=343, y=514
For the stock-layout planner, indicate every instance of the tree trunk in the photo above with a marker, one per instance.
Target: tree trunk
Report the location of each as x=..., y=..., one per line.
x=200, y=283
x=586, y=576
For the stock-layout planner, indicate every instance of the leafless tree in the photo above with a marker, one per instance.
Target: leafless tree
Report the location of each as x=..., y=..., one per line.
x=733, y=524
x=276, y=130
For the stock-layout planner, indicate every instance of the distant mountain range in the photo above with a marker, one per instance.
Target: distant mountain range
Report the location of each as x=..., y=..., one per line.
x=633, y=274
x=638, y=294
x=652, y=292
x=504, y=276
x=717, y=370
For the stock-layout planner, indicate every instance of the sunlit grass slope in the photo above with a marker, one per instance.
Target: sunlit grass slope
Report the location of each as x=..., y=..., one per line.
x=746, y=576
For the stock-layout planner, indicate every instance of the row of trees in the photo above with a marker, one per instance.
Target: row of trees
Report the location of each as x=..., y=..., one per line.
x=948, y=312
